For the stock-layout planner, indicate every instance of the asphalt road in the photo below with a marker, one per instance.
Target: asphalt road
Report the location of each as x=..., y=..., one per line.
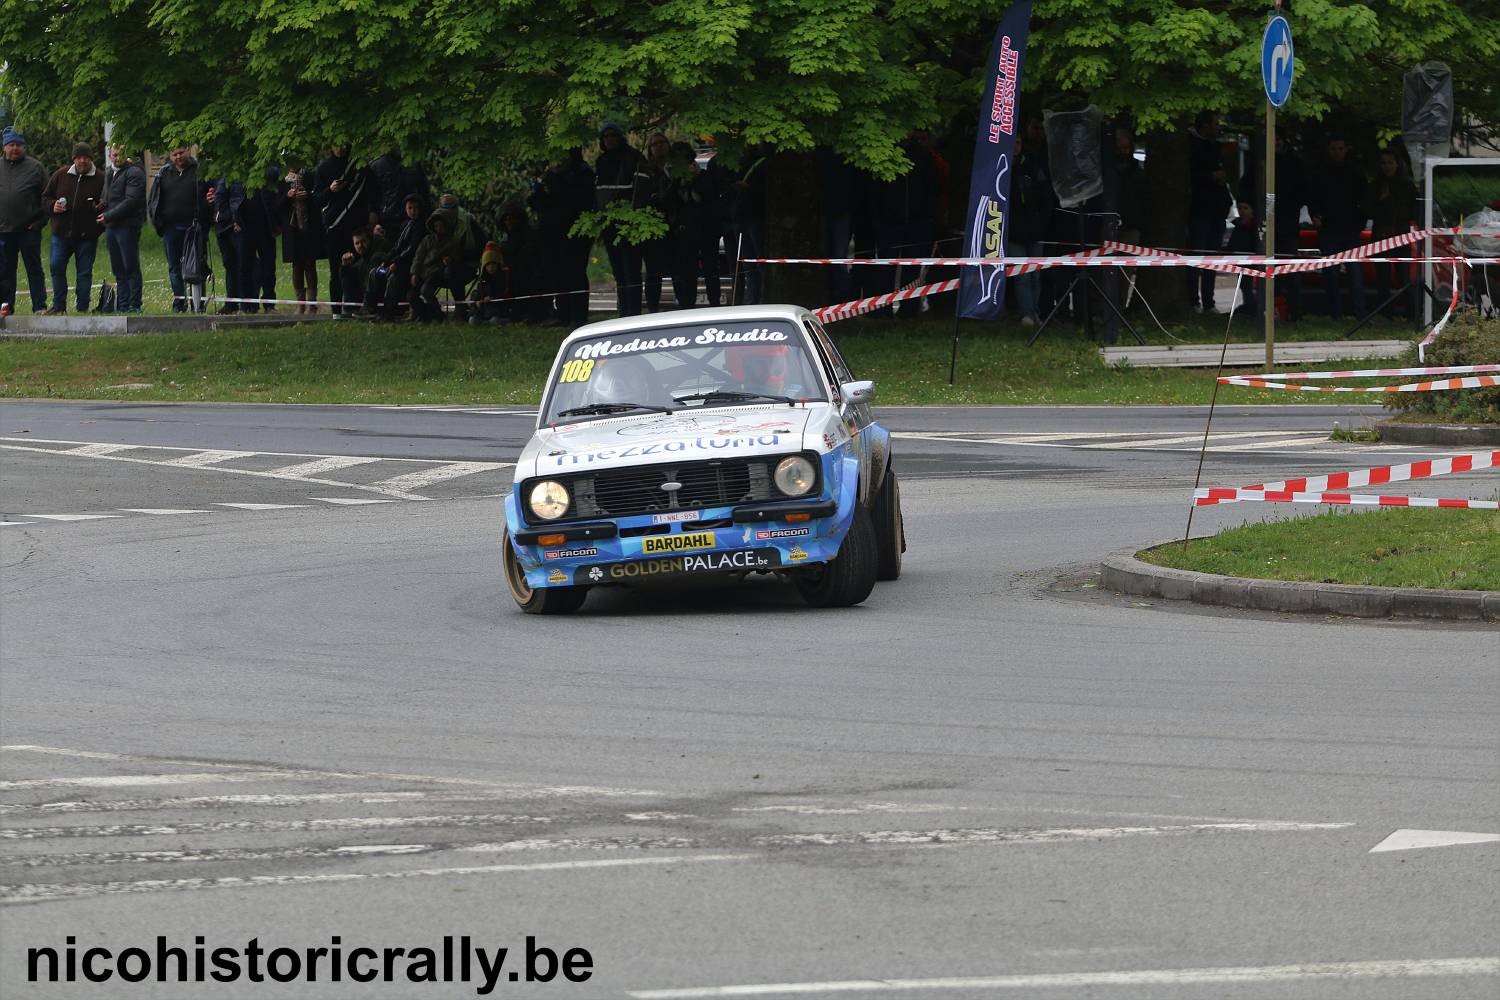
x=260, y=678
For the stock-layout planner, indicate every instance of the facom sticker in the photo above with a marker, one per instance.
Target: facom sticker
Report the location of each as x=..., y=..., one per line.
x=654, y=544
x=556, y=554
x=767, y=534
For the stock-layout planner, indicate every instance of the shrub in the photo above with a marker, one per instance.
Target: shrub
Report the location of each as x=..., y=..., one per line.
x=1468, y=339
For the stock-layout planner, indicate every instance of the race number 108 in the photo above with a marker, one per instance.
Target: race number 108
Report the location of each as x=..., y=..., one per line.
x=577, y=371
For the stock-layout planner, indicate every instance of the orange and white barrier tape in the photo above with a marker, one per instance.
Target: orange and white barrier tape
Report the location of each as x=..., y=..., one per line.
x=1472, y=377
x=1331, y=489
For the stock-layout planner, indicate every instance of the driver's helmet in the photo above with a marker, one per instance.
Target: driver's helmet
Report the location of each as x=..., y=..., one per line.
x=624, y=380
x=759, y=367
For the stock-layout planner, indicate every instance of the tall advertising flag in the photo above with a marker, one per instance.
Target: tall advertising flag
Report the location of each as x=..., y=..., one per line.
x=981, y=290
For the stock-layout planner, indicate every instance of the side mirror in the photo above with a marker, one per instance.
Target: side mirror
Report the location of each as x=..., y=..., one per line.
x=856, y=393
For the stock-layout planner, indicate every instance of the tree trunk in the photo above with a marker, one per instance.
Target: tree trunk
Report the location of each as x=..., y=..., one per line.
x=1165, y=220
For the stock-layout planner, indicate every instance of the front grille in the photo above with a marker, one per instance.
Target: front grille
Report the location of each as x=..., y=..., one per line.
x=623, y=492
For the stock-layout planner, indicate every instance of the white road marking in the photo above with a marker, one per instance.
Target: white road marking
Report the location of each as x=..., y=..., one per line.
x=40, y=893
x=162, y=510
x=4, y=524
x=426, y=477
x=585, y=844
x=269, y=772
x=262, y=506
x=1268, y=445
x=143, y=780
x=349, y=501
x=911, y=838
x=265, y=826
x=198, y=460
x=264, y=801
x=222, y=855
x=852, y=810
x=1410, y=840
x=94, y=450
x=318, y=466
x=1397, y=969
x=72, y=517
x=1194, y=439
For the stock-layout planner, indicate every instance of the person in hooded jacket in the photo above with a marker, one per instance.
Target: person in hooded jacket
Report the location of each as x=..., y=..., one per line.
x=124, y=212
x=22, y=179
x=621, y=176
x=563, y=193
x=691, y=202
x=438, y=265
x=342, y=192
x=395, y=268
x=178, y=198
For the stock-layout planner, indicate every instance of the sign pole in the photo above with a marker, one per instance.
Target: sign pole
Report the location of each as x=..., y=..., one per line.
x=1269, y=298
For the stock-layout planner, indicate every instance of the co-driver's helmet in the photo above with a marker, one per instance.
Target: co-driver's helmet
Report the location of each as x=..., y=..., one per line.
x=759, y=367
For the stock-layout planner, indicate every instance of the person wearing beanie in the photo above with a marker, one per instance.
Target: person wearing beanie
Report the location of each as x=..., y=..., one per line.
x=72, y=199
x=493, y=287
x=22, y=180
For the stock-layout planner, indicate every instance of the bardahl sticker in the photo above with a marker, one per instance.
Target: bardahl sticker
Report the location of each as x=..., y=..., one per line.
x=684, y=542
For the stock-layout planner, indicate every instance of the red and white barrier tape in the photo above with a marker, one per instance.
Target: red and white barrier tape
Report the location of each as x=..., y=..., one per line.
x=1471, y=379
x=1330, y=489
x=1437, y=327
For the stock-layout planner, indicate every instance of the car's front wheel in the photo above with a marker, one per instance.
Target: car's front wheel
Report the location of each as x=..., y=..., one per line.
x=537, y=600
x=850, y=577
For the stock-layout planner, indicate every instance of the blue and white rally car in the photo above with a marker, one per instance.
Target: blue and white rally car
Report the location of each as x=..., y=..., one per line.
x=715, y=441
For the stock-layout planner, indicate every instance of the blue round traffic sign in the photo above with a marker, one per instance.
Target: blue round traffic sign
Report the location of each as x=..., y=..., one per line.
x=1276, y=66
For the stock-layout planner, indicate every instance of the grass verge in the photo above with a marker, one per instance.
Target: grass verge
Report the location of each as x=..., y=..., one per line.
x=1404, y=547
x=355, y=362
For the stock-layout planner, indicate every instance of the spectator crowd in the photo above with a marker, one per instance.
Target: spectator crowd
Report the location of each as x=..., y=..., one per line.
x=391, y=251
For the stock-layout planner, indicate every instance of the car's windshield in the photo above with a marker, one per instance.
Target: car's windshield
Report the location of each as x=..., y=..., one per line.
x=681, y=367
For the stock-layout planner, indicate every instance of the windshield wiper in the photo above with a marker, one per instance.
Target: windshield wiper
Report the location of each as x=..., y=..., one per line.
x=596, y=408
x=735, y=394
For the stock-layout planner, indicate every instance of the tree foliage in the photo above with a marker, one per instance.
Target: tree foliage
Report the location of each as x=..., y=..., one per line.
x=474, y=83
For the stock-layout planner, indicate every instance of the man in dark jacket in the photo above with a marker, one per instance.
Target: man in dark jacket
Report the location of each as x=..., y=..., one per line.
x=563, y=193
x=1032, y=201
x=343, y=195
x=361, y=262
x=905, y=210
x=177, y=200
x=1393, y=210
x=621, y=175
x=22, y=179
x=72, y=200
x=229, y=202
x=258, y=230
x=1336, y=200
x=124, y=214
x=1209, y=201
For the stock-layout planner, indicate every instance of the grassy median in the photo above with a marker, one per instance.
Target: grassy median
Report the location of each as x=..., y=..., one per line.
x=1405, y=547
x=357, y=362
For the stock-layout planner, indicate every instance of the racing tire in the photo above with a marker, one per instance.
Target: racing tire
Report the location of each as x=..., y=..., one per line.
x=542, y=600
x=890, y=529
x=850, y=577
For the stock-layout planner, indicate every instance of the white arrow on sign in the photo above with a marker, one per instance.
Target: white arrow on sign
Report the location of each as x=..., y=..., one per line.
x=1410, y=840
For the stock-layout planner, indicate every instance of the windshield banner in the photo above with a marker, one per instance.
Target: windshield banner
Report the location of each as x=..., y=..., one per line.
x=981, y=292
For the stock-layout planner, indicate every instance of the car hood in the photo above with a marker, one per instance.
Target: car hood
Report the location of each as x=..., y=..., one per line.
x=650, y=438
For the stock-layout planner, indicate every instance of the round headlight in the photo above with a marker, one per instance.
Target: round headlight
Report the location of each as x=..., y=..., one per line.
x=549, y=500
x=795, y=476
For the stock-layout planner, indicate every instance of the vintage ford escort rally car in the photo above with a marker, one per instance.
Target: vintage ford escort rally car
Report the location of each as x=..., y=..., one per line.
x=707, y=441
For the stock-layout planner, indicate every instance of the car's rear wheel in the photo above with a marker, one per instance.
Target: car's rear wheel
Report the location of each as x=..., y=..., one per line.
x=850, y=577
x=537, y=600
x=890, y=528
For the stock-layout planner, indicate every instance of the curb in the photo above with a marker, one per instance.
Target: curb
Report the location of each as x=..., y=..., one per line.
x=1438, y=434
x=1123, y=572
